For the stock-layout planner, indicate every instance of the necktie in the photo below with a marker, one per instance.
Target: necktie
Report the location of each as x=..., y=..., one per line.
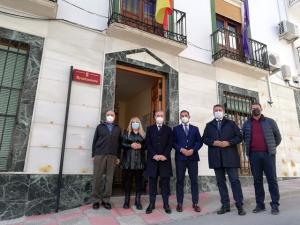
x=219, y=125
x=186, y=129
x=159, y=127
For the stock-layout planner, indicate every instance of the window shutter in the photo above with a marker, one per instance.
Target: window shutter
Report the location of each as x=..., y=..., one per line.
x=12, y=67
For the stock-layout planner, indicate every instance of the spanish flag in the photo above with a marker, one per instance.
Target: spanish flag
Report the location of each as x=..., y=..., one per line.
x=163, y=10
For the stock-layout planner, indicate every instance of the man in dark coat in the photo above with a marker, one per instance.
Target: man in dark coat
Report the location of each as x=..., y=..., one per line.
x=105, y=155
x=159, y=147
x=222, y=136
x=262, y=136
x=187, y=142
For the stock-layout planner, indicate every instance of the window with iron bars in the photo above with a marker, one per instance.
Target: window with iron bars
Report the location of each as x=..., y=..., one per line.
x=13, y=58
x=238, y=108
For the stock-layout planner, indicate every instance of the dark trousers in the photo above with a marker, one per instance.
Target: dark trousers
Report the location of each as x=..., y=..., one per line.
x=262, y=162
x=192, y=167
x=128, y=177
x=164, y=183
x=103, y=165
x=233, y=176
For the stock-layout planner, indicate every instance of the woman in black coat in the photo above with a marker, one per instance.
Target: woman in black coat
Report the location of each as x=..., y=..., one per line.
x=134, y=160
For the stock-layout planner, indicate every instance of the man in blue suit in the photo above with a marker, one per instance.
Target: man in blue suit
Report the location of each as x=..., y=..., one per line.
x=187, y=142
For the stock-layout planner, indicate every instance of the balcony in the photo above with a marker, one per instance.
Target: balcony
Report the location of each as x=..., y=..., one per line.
x=136, y=22
x=43, y=8
x=227, y=53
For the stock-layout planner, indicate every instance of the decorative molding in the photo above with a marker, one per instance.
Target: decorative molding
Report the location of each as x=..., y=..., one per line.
x=109, y=81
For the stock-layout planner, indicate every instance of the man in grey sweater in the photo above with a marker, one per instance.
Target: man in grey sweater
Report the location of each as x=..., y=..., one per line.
x=105, y=155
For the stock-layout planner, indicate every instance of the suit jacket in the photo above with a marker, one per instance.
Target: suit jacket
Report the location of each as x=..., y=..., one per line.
x=223, y=157
x=159, y=143
x=191, y=141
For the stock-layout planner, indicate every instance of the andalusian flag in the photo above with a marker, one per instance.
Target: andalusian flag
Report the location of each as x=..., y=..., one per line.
x=163, y=10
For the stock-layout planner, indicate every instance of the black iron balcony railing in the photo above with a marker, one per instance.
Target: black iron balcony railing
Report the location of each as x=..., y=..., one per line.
x=141, y=15
x=226, y=43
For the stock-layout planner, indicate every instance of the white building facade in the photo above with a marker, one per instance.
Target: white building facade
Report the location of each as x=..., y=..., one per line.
x=196, y=62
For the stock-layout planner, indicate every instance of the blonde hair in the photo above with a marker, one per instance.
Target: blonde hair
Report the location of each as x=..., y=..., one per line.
x=141, y=130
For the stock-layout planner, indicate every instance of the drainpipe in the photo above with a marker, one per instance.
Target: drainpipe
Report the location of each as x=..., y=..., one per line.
x=269, y=90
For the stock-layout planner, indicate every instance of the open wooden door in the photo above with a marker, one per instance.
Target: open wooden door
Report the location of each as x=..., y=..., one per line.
x=158, y=97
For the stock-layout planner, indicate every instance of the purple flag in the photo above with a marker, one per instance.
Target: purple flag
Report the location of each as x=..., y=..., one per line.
x=246, y=24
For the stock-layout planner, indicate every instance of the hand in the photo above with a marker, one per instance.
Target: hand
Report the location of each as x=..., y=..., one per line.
x=189, y=152
x=183, y=151
x=217, y=143
x=224, y=144
x=138, y=146
x=162, y=158
x=117, y=161
x=133, y=146
x=93, y=158
x=156, y=157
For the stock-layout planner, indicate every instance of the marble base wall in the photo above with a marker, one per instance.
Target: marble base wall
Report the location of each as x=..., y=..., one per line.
x=24, y=194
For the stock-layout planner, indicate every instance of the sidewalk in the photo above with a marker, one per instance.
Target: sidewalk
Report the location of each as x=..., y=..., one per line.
x=85, y=215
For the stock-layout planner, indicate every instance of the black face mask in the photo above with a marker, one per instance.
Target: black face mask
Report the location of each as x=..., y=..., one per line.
x=256, y=112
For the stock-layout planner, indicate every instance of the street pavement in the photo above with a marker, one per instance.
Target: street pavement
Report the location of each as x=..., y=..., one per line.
x=209, y=202
x=289, y=215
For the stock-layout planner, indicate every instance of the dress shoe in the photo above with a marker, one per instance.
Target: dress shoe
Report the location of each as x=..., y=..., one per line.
x=179, y=208
x=106, y=205
x=259, y=209
x=223, y=210
x=167, y=209
x=275, y=211
x=241, y=211
x=150, y=208
x=96, y=205
x=196, y=208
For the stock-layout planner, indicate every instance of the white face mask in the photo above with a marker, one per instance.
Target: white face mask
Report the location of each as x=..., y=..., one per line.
x=159, y=120
x=185, y=119
x=110, y=119
x=219, y=115
x=135, y=125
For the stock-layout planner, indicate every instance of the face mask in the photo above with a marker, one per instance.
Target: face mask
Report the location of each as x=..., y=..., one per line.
x=110, y=119
x=159, y=120
x=219, y=115
x=256, y=112
x=184, y=119
x=135, y=125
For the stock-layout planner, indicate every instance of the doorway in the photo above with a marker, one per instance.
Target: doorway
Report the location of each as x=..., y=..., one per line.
x=138, y=93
